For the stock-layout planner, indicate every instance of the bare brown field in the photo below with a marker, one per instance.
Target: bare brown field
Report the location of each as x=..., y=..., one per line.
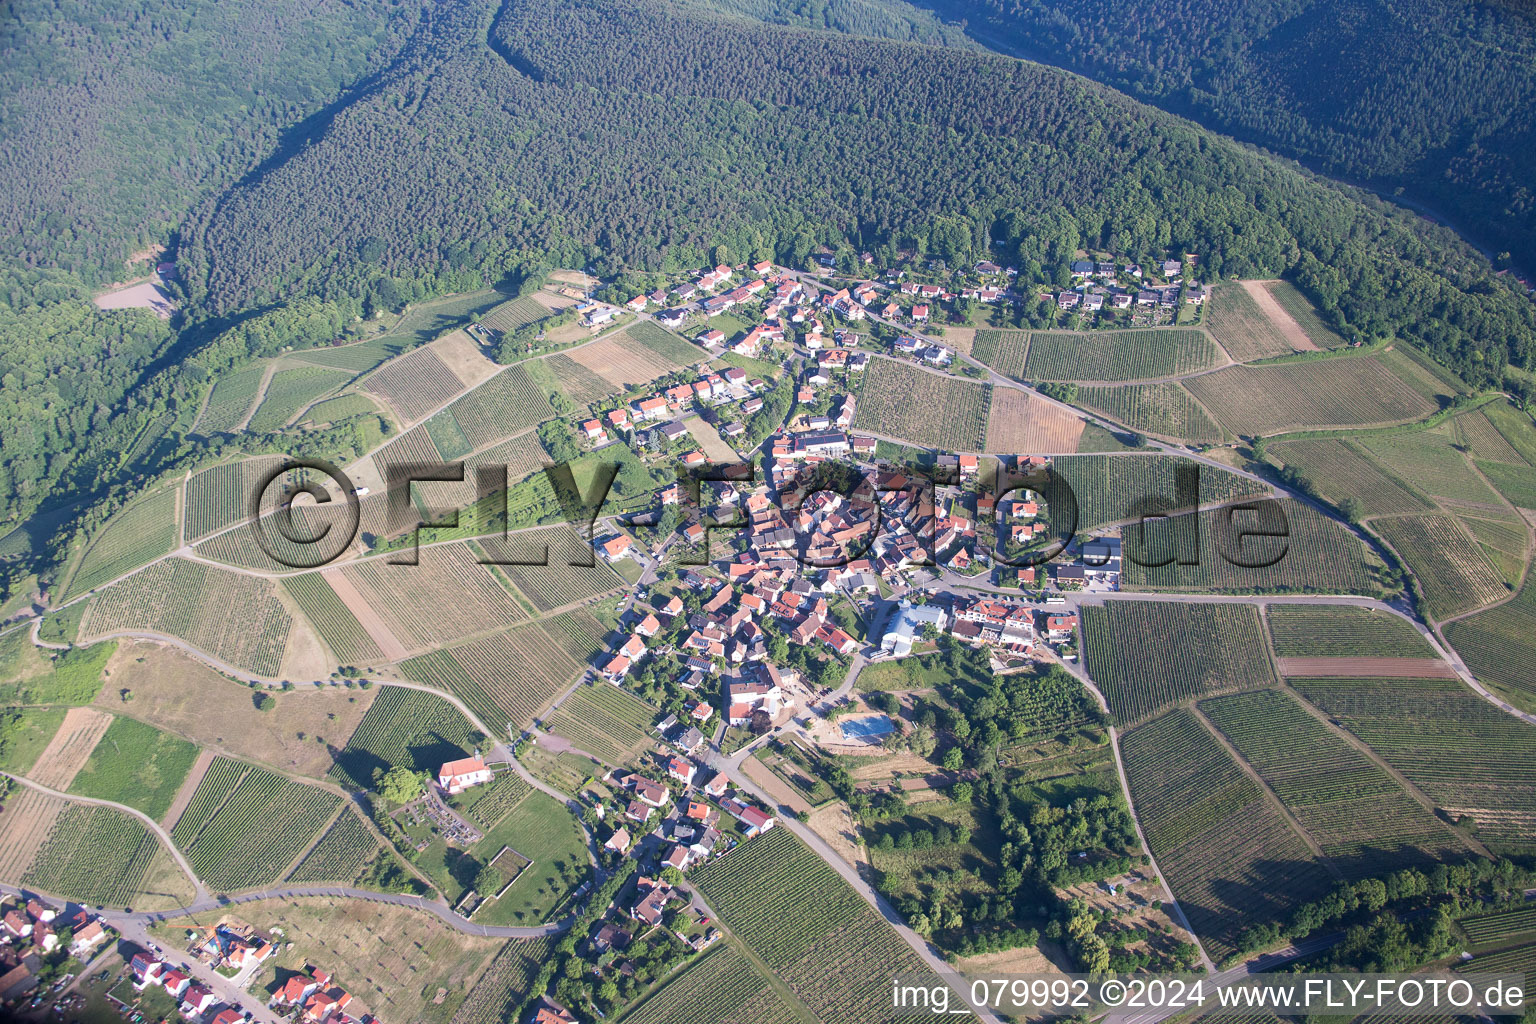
x=838, y=830
x=710, y=441
x=1289, y=329
x=622, y=362
x=1021, y=422
x=960, y=339
x=67, y=752
x=1023, y=960
x=463, y=356
x=552, y=302
x=775, y=787
x=182, y=696
x=1366, y=668
x=25, y=822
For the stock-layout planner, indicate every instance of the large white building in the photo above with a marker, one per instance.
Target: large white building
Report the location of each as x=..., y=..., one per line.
x=906, y=626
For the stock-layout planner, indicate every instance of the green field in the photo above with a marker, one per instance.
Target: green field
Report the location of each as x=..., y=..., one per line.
x=343, y=407
x=1499, y=645
x=406, y=727
x=807, y=924
x=340, y=854
x=1339, y=631
x=1118, y=355
x=244, y=824
x=1165, y=409
x=144, y=530
x=1210, y=648
x=231, y=399
x=720, y=987
x=137, y=765
x=24, y=734
x=1431, y=460
x=1357, y=814
x=1231, y=860
x=1314, y=554
x=1467, y=755
x=93, y=855
x=332, y=619
x=543, y=830
x=927, y=409
x=289, y=391
x=73, y=677
x=604, y=720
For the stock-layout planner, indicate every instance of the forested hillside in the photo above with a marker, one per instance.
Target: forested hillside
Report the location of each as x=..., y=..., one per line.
x=1432, y=95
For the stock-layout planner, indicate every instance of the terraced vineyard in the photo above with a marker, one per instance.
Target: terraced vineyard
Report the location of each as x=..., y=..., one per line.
x=1339, y=631
x=1453, y=573
x=603, y=720
x=1231, y=860
x=1004, y=351
x=721, y=987
x=450, y=595
x=93, y=855
x=1468, y=756
x=143, y=531
x=1499, y=645
x=415, y=384
x=1314, y=555
x=1118, y=355
x=1165, y=409
x=236, y=618
x=1341, y=472
x=505, y=678
x=230, y=400
x=1343, y=392
x=244, y=824
x=1486, y=929
x=927, y=409
x=340, y=854
x=1218, y=647
x=807, y=924
x=290, y=391
x=1357, y=814
x=332, y=619
x=406, y=727
x=1108, y=487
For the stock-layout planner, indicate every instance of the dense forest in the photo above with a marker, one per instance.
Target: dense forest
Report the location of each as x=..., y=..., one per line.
x=1433, y=96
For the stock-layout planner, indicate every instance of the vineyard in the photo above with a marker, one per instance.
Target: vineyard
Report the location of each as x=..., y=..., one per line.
x=289, y=391
x=1520, y=960
x=1486, y=929
x=220, y=496
x=1339, y=470
x=807, y=924
x=505, y=678
x=1004, y=351
x=1499, y=645
x=1453, y=573
x=1430, y=459
x=578, y=383
x=603, y=720
x=1108, y=487
x=137, y=765
x=415, y=384
x=1231, y=861
x=1357, y=814
x=1344, y=392
x=623, y=364
x=450, y=595
x=1236, y=321
x=1165, y=409
x=509, y=316
x=340, y=854
x=241, y=546
x=234, y=617
x=720, y=987
x=519, y=455
x=335, y=623
x=556, y=585
x=1339, y=631
x=244, y=824
x=406, y=727
x=1211, y=648
x=504, y=986
x=577, y=632
x=144, y=530
x=663, y=342
x=230, y=400
x=508, y=403
x=487, y=805
x=1465, y=754
x=1119, y=355
x=1288, y=298
x=928, y=409
x=93, y=855
x=1320, y=555
x=343, y=407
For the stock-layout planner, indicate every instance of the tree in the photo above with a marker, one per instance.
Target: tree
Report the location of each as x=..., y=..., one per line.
x=489, y=880
x=953, y=758
x=264, y=702
x=400, y=785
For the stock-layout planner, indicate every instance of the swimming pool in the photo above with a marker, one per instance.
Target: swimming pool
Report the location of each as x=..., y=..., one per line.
x=865, y=728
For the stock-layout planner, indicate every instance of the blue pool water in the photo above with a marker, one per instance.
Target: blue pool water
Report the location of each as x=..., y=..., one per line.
x=863, y=728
